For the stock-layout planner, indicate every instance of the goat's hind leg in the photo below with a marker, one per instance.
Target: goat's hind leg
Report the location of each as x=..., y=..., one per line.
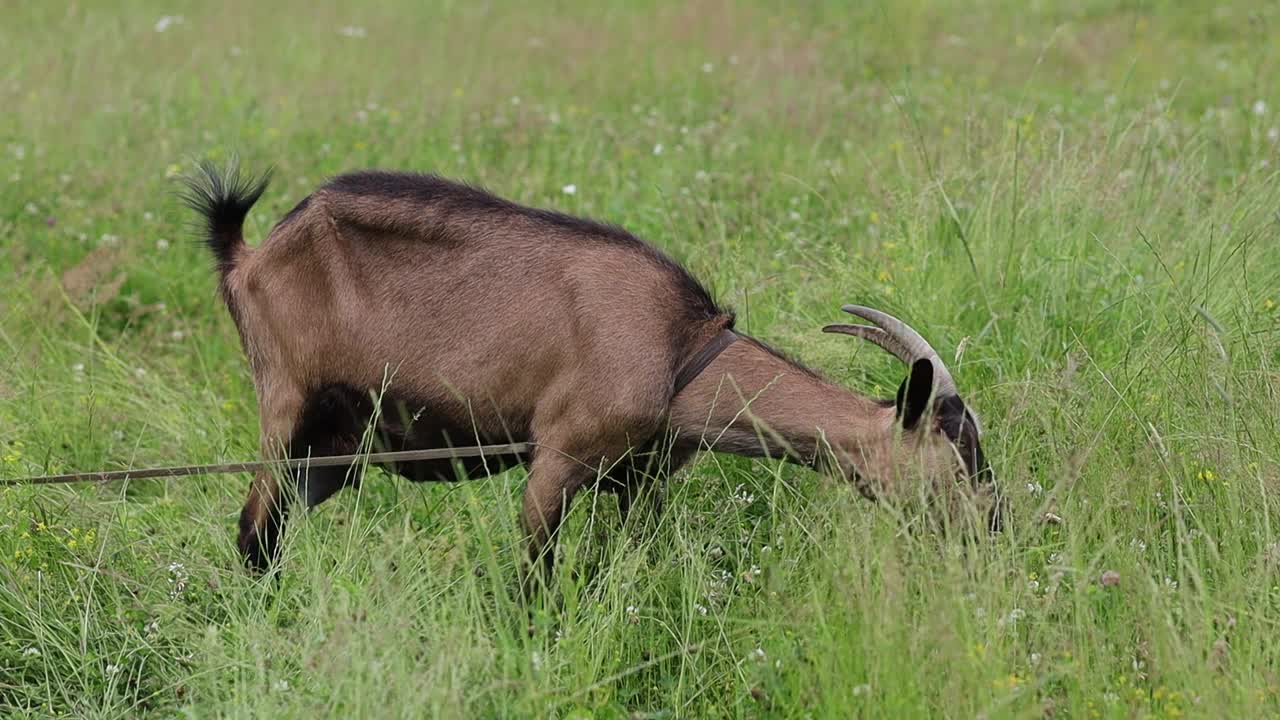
x=296, y=425
x=263, y=516
x=332, y=424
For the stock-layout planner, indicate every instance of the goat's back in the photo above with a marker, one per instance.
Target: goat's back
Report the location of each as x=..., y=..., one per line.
x=477, y=306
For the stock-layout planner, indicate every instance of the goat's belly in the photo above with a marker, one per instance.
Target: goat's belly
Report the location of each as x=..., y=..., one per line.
x=425, y=430
x=404, y=423
x=456, y=470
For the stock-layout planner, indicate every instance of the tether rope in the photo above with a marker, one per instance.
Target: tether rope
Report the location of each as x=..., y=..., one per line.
x=102, y=476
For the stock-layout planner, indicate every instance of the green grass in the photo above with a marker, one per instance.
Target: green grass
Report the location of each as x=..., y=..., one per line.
x=1077, y=200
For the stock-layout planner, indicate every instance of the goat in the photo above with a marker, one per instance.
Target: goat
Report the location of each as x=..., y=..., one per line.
x=505, y=323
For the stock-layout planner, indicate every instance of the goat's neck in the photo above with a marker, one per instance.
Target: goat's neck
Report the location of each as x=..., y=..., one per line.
x=752, y=402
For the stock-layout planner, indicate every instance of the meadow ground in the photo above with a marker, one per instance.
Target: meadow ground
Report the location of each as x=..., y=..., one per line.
x=1077, y=201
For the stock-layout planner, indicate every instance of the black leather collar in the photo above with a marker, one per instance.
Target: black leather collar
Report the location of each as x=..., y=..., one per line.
x=699, y=362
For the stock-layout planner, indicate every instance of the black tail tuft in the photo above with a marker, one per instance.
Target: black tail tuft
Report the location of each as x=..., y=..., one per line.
x=223, y=199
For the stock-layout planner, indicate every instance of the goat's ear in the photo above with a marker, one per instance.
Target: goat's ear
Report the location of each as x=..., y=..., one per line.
x=914, y=394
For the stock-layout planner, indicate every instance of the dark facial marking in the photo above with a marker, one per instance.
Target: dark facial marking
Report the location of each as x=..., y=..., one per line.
x=957, y=424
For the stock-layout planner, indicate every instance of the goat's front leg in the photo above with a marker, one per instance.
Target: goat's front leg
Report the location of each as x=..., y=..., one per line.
x=554, y=479
x=643, y=476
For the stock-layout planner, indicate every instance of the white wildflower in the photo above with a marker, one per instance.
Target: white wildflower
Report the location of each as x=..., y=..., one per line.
x=1260, y=107
x=758, y=655
x=177, y=579
x=280, y=685
x=1273, y=134
x=148, y=216
x=353, y=31
x=112, y=669
x=536, y=660
x=657, y=149
x=1012, y=618
x=708, y=67
x=862, y=689
x=569, y=189
x=162, y=244
x=109, y=239
x=167, y=21
x=31, y=652
x=1035, y=488
x=702, y=609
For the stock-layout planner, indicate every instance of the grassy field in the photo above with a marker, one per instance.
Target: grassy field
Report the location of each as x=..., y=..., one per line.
x=1078, y=202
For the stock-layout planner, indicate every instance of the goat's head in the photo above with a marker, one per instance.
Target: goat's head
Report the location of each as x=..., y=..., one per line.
x=934, y=436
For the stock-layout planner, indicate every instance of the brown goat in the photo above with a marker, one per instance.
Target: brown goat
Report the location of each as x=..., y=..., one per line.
x=497, y=322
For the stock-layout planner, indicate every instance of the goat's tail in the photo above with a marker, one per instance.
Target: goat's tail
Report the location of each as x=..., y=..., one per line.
x=223, y=199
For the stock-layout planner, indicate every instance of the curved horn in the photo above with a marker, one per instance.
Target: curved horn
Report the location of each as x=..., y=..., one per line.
x=900, y=340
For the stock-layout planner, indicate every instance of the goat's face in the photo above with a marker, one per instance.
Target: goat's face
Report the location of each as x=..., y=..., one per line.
x=934, y=439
